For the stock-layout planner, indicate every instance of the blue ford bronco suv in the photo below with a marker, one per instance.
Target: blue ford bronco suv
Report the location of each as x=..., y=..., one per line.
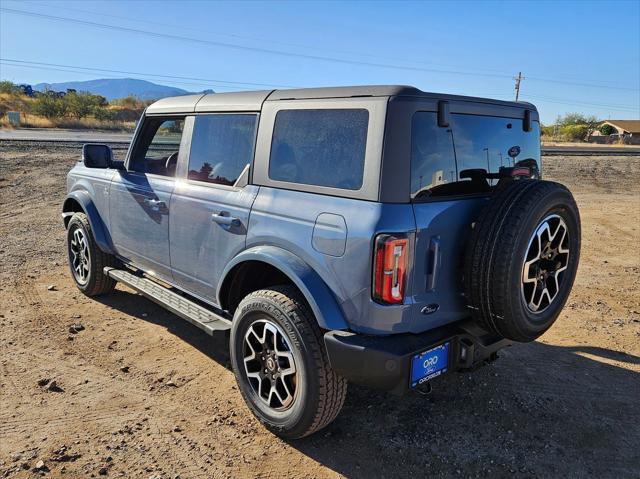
x=380, y=235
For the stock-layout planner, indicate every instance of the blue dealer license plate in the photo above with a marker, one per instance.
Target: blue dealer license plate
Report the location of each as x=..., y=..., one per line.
x=429, y=364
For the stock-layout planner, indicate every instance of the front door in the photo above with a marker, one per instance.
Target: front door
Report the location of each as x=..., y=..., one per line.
x=141, y=195
x=211, y=203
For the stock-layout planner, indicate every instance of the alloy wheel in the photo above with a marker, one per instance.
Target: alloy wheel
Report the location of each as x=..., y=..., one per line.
x=79, y=256
x=546, y=260
x=270, y=365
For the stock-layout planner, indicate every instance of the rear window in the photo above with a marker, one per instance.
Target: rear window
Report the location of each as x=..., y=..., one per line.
x=439, y=156
x=320, y=147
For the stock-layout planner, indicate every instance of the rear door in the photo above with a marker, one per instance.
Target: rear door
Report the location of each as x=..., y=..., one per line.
x=140, y=196
x=211, y=203
x=446, y=204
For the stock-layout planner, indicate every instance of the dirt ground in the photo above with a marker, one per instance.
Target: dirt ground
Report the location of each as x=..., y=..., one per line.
x=140, y=393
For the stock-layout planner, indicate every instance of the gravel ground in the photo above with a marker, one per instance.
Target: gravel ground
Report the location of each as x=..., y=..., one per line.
x=118, y=387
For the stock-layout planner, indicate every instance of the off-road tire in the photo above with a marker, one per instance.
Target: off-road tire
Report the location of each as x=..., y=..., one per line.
x=320, y=391
x=497, y=249
x=97, y=283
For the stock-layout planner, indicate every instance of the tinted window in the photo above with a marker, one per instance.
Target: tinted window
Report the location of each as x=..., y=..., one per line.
x=484, y=141
x=221, y=147
x=158, y=145
x=442, y=157
x=432, y=158
x=319, y=147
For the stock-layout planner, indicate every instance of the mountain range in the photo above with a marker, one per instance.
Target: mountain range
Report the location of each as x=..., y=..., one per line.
x=111, y=88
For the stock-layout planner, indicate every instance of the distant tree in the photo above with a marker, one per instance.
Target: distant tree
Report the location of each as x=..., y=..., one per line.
x=49, y=106
x=8, y=87
x=104, y=114
x=573, y=125
x=79, y=105
x=575, y=132
x=607, y=129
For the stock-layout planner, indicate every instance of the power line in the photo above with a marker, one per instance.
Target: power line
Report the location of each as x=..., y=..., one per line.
x=272, y=51
x=259, y=39
x=157, y=75
x=603, y=83
x=106, y=75
x=581, y=103
x=107, y=72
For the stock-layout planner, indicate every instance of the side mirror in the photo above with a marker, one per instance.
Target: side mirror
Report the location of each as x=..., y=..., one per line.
x=95, y=155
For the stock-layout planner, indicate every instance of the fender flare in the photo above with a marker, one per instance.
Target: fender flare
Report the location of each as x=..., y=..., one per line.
x=100, y=232
x=314, y=289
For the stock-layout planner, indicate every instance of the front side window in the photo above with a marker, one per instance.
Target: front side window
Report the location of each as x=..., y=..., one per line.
x=320, y=147
x=221, y=147
x=444, y=160
x=158, y=145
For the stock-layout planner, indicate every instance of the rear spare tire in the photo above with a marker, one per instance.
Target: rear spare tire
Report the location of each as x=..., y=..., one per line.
x=522, y=258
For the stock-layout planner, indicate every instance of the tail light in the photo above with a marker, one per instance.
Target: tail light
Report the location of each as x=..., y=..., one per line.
x=389, y=268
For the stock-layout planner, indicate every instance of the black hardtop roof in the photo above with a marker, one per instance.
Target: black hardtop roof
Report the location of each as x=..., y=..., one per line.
x=248, y=100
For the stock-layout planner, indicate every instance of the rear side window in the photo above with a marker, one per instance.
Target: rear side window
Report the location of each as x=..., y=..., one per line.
x=221, y=147
x=320, y=147
x=443, y=158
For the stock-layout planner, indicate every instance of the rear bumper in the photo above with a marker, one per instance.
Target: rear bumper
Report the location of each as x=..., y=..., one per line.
x=385, y=361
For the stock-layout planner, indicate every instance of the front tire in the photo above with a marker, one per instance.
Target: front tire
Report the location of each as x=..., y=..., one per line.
x=86, y=259
x=281, y=365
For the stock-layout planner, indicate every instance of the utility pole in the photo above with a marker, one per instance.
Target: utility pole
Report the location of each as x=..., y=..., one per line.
x=518, y=79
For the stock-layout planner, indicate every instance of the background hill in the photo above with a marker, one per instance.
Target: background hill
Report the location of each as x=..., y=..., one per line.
x=112, y=88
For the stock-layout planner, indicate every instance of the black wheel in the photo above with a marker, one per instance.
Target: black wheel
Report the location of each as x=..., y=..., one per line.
x=281, y=366
x=522, y=258
x=86, y=259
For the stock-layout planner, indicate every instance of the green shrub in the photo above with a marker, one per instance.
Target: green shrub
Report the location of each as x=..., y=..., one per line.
x=104, y=114
x=81, y=105
x=574, y=132
x=49, y=106
x=8, y=87
x=607, y=129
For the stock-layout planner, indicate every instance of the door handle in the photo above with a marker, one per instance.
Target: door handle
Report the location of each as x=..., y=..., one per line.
x=155, y=205
x=223, y=218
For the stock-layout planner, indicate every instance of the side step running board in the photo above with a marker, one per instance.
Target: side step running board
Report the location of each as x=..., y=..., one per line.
x=194, y=313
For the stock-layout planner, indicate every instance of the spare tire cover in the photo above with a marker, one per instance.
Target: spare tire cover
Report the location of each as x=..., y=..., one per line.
x=522, y=257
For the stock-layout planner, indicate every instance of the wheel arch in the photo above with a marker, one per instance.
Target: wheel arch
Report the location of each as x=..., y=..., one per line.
x=80, y=202
x=278, y=266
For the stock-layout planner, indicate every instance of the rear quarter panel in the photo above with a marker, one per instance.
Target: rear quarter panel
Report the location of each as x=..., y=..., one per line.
x=308, y=225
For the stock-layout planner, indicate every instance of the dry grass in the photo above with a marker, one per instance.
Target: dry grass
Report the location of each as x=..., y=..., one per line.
x=34, y=121
x=23, y=104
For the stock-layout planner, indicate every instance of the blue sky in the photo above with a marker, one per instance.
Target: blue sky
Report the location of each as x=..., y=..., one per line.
x=575, y=56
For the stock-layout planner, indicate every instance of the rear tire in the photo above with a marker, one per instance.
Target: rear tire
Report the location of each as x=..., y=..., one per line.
x=86, y=259
x=522, y=258
x=308, y=394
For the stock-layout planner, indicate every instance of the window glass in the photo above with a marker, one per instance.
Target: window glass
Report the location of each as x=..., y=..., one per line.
x=320, y=147
x=484, y=142
x=221, y=147
x=441, y=158
x=432, y=158
x=158, y=146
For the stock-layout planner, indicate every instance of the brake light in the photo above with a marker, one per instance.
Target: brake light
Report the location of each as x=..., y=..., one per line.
x=389, y=268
